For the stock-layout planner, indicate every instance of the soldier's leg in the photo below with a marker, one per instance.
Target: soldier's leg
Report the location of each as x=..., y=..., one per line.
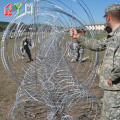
x=69, y=52
x=81, y=52
x=81, y=56
x=103, y=111
x=74, y=56
x=111, y=105
x=115, y=113
x=85, y=59
x=29, y=54
x=78, y=55
x=22, y=53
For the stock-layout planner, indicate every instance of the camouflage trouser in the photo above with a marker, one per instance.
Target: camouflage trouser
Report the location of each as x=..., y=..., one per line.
x=82, y=59
x=111, y=105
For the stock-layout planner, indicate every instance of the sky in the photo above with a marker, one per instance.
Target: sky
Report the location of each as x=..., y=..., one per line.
x=96, y=7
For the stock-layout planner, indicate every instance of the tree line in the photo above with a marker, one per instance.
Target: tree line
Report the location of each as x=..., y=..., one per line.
x=3, y=25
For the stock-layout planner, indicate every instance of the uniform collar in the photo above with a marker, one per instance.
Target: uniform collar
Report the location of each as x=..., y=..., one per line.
x=115, y=30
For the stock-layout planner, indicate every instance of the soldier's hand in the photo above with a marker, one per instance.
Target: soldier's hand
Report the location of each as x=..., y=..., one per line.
x=110, y=82
x=73, y=33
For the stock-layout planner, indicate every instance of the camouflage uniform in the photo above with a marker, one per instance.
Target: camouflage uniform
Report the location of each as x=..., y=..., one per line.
x=111, y=105
x=76, y=52
x=110, y=69
x=25, y=46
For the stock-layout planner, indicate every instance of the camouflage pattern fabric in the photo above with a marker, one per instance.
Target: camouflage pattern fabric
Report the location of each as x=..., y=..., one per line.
x=76, y=52
x=111, y=105
x=112, y=7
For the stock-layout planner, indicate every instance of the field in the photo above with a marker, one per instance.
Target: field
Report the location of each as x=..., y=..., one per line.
x=8, y=88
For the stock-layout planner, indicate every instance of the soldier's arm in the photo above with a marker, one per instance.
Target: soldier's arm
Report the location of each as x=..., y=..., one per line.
x=115, y=73
x=94, y=44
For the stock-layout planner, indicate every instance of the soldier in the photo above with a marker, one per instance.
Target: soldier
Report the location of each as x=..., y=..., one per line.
x=26, y=43
x=80, y=52
x=76, y=52
x=110, y=72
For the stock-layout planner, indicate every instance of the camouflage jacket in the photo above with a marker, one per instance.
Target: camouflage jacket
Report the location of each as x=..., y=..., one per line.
x=111, y=61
